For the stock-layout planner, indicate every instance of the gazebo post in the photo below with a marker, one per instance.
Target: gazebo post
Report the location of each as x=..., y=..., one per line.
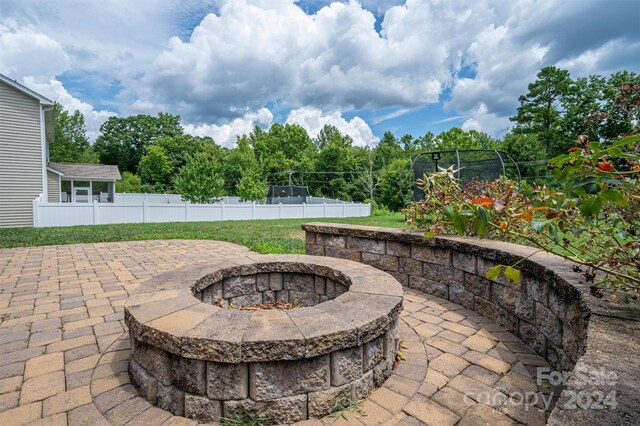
x=111, y=192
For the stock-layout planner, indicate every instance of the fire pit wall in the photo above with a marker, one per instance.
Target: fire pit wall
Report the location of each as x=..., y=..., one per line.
x=196, y=354
x=269, y=287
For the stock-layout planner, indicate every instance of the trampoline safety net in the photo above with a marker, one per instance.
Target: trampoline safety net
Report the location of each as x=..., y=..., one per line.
x=482, y=165
x=287, y=194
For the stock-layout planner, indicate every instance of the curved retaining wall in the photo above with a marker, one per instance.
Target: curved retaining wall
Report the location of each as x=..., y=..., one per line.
x=551, y=309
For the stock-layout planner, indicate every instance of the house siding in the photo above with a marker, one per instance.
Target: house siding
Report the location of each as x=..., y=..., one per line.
x=53, y=187
x=21, y=177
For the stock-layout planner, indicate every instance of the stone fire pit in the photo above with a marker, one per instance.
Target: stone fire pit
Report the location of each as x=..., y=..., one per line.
x=196, y=354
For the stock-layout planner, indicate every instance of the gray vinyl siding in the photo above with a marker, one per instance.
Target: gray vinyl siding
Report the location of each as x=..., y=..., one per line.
x=53, y=187
x=20, y=157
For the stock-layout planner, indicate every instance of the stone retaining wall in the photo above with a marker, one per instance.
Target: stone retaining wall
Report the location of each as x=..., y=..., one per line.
x=199, y=360
x=543, y=309
x=550, y=309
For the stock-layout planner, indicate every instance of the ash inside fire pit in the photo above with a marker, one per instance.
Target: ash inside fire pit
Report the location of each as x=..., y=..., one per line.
x=196, y=357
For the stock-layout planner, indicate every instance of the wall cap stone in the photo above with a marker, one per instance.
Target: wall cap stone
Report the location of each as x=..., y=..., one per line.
x=164, y=311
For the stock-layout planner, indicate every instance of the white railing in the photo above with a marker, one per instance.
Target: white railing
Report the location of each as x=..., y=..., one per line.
x=70, y=214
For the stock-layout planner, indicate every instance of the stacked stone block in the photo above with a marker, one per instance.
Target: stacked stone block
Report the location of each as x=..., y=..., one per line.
x=544, y=309
x=197, y=360
x=205, y=390
x=291, y=287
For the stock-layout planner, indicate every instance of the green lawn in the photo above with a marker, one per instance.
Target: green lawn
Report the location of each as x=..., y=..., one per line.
x=263, y=236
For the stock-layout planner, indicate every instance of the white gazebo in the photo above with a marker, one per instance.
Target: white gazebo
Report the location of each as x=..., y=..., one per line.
x=82, y=183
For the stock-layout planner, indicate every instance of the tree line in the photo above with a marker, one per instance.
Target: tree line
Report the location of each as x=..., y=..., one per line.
x=155, y=155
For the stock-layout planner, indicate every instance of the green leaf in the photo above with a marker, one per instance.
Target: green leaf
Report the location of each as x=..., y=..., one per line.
x=512, y=274
x=626, y=141
x=585, y=181
x=537, y=225
x=494, y=272
x=614, y=151
x=611, y=181
x=553, y=231
x=613, y=196
x=595, y=146
x=589, y=184
x=592, y=188
x=591, y=206
x=482, y=221
x=450, y=212
x=458, y=224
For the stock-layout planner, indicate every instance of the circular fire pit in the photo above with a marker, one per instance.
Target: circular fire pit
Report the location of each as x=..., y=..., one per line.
x=202, y=348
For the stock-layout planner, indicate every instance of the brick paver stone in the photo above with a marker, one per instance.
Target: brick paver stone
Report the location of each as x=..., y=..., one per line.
x=65, y=356
x=41, y=387
x=448, y=364
x=430, y=413
x=22, y=415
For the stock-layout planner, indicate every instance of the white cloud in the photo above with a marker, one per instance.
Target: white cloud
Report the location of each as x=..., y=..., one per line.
x=21, y=46
x=484, y=121
x=502, y=71
x=313, y=120
x=250, y=54
x=54, y=90
x=309, y=118
x=227, y=134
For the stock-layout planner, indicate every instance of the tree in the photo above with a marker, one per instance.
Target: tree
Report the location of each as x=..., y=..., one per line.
x=369, y=178
x=423, y=144
x=155, y=167
x=179, y=147
x=70, y=143
x=283, y=148
x=334, y=166
x=621, y=99
x=387, y=150
x=252, y=186
x=129, y=183
x=236, y=162
x=583, y=100
x=456, y=138
x=529, y=152
x=540, y=110
x=200, y=180
x=124, y=140
x=395, y=184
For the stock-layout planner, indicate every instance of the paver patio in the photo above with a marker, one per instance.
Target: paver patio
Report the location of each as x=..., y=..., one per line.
x=64, y=351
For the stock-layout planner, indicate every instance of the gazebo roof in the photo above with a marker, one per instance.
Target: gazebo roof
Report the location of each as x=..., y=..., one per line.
x=86, y=171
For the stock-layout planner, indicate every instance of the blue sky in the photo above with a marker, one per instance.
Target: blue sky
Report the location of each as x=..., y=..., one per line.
x=366, y=67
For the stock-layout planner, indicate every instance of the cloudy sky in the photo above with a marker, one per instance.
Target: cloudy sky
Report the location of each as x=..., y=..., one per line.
x=366, y=67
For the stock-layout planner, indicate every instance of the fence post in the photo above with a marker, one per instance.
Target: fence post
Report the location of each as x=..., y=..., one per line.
x=280, y=211
x=222, y=212
x=186, y=211
x=343, y=204
x=144, y=211
x=253, y=210
x=96, y=219
x=304, y=208
x=324, y=208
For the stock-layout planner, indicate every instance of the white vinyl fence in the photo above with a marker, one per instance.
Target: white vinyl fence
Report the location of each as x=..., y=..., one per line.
x=70, y=214
x=133, y=198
